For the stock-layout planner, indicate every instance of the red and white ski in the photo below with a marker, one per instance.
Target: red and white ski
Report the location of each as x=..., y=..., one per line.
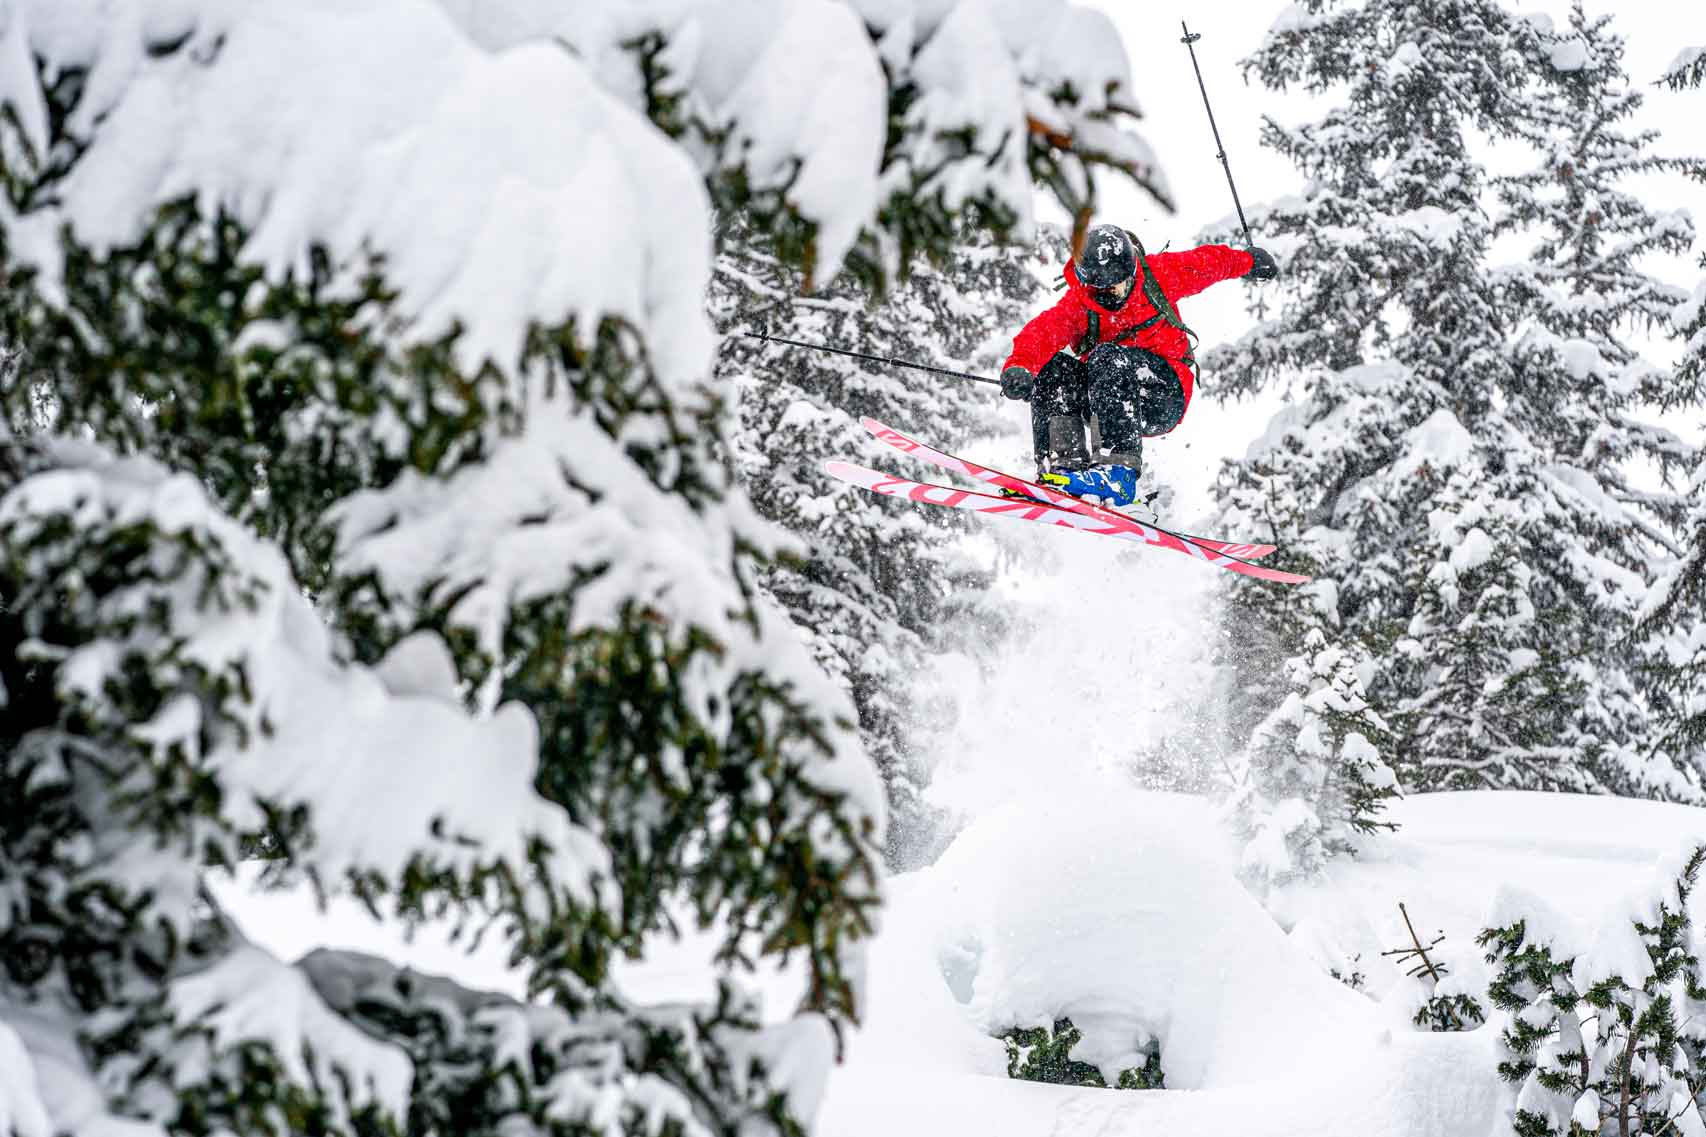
x=1020, y=508
x=1221, y=554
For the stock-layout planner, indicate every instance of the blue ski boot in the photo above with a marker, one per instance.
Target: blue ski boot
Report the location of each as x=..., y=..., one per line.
x=1112, y=486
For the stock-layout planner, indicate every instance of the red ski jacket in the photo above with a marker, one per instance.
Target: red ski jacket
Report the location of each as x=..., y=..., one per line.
x=1067, y=324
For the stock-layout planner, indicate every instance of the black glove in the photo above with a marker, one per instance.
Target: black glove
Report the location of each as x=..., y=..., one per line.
x=1017, y=383
x=1265, y=268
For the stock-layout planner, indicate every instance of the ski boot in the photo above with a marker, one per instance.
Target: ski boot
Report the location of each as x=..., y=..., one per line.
x=1112, y=486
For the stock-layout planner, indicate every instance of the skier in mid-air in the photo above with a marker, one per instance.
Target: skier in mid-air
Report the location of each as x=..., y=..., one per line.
x=1113, y=359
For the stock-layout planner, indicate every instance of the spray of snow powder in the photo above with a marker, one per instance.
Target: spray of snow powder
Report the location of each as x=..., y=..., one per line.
x=1110, y=662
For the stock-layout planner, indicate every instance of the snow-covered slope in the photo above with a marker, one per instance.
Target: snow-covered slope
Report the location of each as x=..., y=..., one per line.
x=1120, y=910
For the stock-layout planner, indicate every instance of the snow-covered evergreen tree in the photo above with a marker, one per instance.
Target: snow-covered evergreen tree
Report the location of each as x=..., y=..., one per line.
x=364, y=508
x=1439, y=386
x=880, y=584
x=1386, y=316
x=1587, y=399
x=1673, y=620
x=534, y=689
x=1312, y=779
x=1603, y=1037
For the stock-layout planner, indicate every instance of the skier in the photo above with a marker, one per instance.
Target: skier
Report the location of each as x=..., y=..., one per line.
x=1113, y=357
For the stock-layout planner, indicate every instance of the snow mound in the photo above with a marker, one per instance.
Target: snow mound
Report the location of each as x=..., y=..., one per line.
x=1120, y=910
x=1133, y=926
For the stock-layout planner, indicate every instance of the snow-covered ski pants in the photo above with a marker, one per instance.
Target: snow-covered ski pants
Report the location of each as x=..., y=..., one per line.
x=1131, y=391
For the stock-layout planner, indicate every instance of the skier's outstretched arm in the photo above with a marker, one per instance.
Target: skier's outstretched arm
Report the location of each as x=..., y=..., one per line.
x=1188, y=273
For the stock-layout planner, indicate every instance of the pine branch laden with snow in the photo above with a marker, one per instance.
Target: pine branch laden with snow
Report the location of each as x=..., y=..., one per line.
x=202, y=714
x=1436, y=379
x=1607, y=1039
x=1673, y=631
x=439, y=371
x=856, y=133
x=1691, y=324
x=1312, y=781
x=877, y=585
x=144, y=626
x=485, y=1063
x=1688, y=69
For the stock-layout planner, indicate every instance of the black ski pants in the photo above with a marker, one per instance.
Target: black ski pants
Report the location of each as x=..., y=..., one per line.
x=1132, y=392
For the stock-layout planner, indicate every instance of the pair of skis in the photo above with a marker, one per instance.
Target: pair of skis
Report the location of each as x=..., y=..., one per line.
x=1048, y=505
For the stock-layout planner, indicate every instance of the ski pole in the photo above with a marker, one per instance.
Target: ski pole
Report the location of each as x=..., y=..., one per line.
x=872, y=358
x=1190, y=41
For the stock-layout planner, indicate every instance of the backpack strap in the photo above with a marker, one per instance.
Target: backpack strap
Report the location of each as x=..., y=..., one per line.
x=1137, y=328
x=1164, y=309
x=1092, y=333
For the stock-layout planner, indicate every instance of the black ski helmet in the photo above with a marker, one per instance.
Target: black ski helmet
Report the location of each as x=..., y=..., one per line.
x=1108, y=259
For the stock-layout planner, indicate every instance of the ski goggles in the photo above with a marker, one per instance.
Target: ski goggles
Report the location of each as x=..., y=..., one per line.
x=1114, y=295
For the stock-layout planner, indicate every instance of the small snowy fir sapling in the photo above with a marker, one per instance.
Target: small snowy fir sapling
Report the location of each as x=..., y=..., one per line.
x=1445, y=1005
x=1311, y=781
x=1349, y=973
x=1606, y=1039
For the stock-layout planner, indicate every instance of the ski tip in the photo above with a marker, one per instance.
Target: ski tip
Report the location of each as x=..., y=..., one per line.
x=1263, y=572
